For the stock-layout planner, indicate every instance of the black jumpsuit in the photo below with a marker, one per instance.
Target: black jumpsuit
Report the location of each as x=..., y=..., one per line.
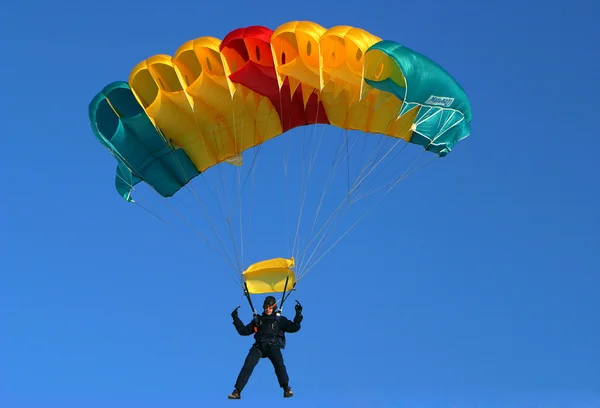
x=269, y=341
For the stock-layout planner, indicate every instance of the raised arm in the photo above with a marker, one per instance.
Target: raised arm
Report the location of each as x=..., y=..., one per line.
x=243, y=330
x=292, y=326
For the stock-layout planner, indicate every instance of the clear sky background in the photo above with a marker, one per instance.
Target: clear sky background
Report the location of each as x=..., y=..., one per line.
x=474, y=283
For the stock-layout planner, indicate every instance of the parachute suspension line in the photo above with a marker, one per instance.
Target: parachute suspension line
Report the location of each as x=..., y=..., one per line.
x=208, y=218
x=327, y=228
x=347, y=163
x=286, y=193
x=137, y=201
x=331, y=175
x=133, y=170
x=190, y=187
x=285, y=294
x=404, y=175
x=359, y=182
x=220, y=239
x=239, y=183
x=398, y=152
x=331, y=229
x=284, y=298
x=353, y=225
x=374, y=154
x=252, y=170
x=239, y=255
x=179, y=232
x=324, y=232
x=155, y=215
x=257, y=149
x=382, y=141
x=242, y=186
x=229, y=209
x=285, y=176
x=334, y=167
x=224, y=202
x=420, y=166
x=239, y=130
x=199, y=234
x=311, y=164
x=301, y=196
x=203, y=177
x=362, y=150
x=228, y=259
x=249, y=174
x=220, y=191
x=328, y=181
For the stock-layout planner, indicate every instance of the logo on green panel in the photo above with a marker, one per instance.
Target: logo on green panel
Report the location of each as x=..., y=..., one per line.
x=439, y=101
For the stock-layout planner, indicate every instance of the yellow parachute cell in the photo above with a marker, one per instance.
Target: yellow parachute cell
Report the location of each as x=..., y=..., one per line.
x=297, y=56
x=191, y=100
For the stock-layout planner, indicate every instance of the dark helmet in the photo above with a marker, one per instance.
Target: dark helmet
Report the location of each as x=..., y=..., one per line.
x=270, y=301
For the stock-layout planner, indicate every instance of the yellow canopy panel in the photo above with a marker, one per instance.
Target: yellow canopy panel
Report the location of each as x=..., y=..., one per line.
x=269, y=275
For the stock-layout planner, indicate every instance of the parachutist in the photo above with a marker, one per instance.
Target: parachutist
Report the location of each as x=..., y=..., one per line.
x=269, y=334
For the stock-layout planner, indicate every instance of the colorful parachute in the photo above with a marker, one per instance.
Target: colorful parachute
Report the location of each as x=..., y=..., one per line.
x=178, y=116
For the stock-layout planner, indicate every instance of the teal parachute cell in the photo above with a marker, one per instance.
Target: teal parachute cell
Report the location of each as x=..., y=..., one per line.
x=143, y=154
x=445, y=115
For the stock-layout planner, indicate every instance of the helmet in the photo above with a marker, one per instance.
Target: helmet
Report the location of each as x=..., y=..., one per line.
x=270, y=301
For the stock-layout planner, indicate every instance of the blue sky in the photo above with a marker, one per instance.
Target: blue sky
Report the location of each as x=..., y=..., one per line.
x=474, y=283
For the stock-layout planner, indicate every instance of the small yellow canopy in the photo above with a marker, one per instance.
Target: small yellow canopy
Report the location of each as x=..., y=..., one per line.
x=269, y=275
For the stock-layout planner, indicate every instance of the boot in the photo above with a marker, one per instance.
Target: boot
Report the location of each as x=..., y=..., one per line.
x=287, y=392
x=235, y=394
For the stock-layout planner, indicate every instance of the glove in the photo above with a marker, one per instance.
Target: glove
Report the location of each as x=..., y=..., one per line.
x=298, y=308
x=234, y=314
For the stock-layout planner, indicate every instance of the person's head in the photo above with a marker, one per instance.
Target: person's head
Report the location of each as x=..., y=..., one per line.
x=269, y=305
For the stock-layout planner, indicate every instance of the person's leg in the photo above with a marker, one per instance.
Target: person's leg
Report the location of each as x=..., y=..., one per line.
x=249, y=363
x=276, y=358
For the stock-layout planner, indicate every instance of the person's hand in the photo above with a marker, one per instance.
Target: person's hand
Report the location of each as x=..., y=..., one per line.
x=234, y=314
x=298, y=308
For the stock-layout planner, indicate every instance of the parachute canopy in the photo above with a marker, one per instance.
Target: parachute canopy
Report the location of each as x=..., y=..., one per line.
x=213, y=99
x=180, y=116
